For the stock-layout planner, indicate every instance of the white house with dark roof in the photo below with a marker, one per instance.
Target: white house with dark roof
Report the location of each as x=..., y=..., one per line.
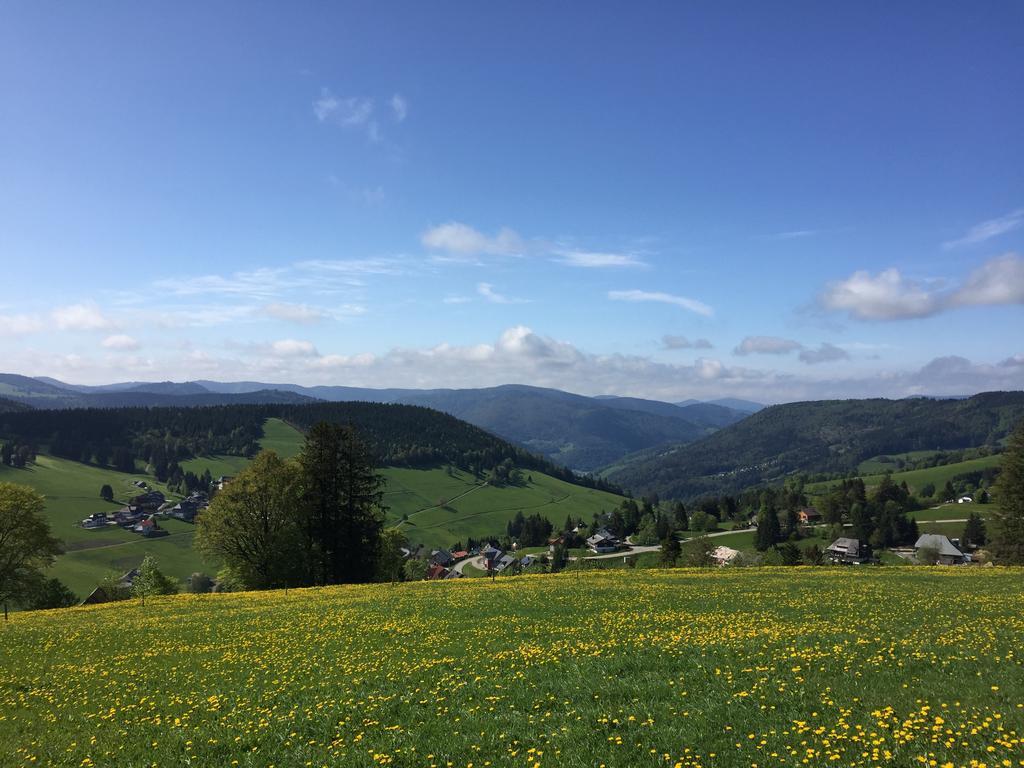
x=946, y=552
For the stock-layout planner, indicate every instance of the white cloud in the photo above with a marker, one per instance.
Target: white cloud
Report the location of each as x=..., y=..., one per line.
x=294, y=313
x=17, y=325
x=593, y=260
x=461, y=240
x=120, y=341
x=487, y=291
x=998, y=281
x=826, y=353
x=519, y=355
x=81, y=317
x=399, y=107
x=350, y=111
x=986, y=230
x=767, y=345
x=890, y=296
x=1013, y=361
x=682, y=342
x=293, y=348
x=665, y=298
x=456, y=300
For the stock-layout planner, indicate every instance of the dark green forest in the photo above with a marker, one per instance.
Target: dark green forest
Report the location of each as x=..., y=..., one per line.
x=824, y=437
x=398, y=435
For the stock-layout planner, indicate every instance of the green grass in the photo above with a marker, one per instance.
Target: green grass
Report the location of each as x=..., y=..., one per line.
x=476, y=510
x=622, y=668
x=954, y=511
x=72, y=493
x=918, y=478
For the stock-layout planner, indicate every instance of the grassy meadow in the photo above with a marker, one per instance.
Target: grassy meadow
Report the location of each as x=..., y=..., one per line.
x=413, y=497
x=917, y=478
x=744, y=667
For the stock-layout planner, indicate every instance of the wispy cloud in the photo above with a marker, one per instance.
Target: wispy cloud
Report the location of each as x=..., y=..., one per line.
x=463, y=241
x=826, y=353
x=596, y=260
x=891, y=296
x=682, y=342
x=487, y=291
x=399, y=107
x=664, y=298
x=17, y=325
x=795, y=234
x=342, y=111
x=294, y=313
x=120, y=342
x=81, y=317
x=987, y=230
x=766, y=345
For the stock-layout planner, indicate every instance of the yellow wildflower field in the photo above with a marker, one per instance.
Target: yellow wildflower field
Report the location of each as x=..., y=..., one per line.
x=741, y=667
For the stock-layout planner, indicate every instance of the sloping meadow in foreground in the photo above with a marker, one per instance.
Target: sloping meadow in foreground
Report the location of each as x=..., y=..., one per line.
x=622, y=668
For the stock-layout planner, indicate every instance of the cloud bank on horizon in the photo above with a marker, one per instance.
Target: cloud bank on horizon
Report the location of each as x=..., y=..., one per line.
x=299, y=203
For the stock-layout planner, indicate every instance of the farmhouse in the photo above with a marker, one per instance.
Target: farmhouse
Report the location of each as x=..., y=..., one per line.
x=809, y=516
x=845, y=551
x=148, y=500
x=603, y=541
x=946, y=553
x=965, y=500
x=96, y=520
x=436, y=571
x=492, y=556
x=441, y=557
x=504, y=563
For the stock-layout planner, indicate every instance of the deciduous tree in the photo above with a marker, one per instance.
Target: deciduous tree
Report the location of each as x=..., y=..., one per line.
x=26, y=545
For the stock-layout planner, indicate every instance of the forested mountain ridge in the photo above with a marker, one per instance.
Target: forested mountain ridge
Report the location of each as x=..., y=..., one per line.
x=578, y=431
x=814, y=437
x=398, y=435
x=49, y=393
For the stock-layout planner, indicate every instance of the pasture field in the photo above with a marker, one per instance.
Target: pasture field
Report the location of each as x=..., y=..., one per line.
x=918, y=478
x=620, y=668
x=72, y=493
x=471, y=509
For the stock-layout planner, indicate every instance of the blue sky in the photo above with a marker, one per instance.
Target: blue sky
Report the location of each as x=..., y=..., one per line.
x=776, y=201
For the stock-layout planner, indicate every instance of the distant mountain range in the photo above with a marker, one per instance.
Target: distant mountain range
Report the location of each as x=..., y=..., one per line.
x=820, y=436
x=583, y=433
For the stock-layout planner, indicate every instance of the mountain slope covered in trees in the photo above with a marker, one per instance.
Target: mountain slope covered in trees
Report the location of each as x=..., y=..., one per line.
x=399, y=435
x=814, y=437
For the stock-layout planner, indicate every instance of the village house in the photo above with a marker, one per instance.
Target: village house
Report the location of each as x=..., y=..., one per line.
x=809, y=516
x=603, y=541
x=504, y=563
x=436, y=571
x=442, y=557
x=946, y=553
x=460, y=555
x=846, y=551
x=491, y=556
x=527, y=561
x=148, y=500
x=96, y=520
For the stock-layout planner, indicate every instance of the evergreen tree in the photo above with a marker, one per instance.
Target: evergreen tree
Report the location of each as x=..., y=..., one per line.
x=974, y=534
x=1007, y=540
x=107, y=493
x=341, y=497
x=769, y=533
x=680, y=516
x=670, y=550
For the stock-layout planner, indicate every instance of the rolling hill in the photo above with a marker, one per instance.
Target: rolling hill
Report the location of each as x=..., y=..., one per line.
x=583, y=433
x=434, y=505
x=813, y=437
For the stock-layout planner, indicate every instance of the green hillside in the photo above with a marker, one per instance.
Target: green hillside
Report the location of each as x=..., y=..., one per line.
x=620, y=668
x=444, y=509
x=829, y=436
x=72, y=493
x=918, y=478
